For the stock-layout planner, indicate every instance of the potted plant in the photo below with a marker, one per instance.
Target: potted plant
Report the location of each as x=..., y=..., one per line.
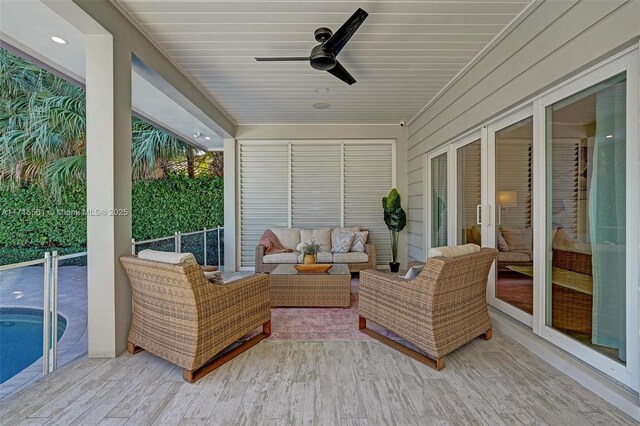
x=310, y=250
x=396, y=219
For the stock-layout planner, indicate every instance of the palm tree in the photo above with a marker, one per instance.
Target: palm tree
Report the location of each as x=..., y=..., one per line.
x=43, y=131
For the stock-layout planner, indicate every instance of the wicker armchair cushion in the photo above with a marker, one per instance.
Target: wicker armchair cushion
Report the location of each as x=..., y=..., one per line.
x=168, y=257
x=454, y=251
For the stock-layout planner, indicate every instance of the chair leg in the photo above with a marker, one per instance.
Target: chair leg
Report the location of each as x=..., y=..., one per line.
x=362, y=323
x=437, y=364
x=193, y=375
x=487, y=335
x=133, y=349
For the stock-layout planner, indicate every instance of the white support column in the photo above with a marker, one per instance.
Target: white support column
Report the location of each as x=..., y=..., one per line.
x=108, y=83
x=230, y=200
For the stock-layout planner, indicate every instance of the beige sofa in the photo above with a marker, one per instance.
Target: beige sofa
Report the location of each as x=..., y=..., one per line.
x=291, y=238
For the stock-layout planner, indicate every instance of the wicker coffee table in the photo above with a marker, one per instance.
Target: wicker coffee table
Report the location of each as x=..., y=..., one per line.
x=292, y=288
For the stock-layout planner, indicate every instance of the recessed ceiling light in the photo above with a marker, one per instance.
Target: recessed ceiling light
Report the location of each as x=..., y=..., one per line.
x=59, y=40
x=322, y=90
x=321, y=105
x=207, y=138
x=609, y=136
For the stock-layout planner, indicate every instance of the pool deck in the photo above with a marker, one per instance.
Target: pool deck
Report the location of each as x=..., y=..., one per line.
x=23, y=287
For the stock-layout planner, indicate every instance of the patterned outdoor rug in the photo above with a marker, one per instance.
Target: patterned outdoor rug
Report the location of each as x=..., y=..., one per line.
x=320, y=324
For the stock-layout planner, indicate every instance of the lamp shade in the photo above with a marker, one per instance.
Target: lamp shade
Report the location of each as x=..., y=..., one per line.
x=508, y=198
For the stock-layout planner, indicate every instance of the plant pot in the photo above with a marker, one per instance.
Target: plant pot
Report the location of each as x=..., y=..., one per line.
x=394, y=266
x=309, y=259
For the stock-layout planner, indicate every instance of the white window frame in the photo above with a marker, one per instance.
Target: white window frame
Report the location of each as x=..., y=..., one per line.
x=490, y=219
x=427, y=188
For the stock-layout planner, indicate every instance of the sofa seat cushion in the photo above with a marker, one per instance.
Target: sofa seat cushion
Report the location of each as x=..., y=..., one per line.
x=288, y=237
x=454, y=251
x=321, y=257
x=291, y=258
x=321, y=236
x=351, y=257
x=514, y=256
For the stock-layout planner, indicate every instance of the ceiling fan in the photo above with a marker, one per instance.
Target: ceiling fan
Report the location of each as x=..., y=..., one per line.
x=323, y=56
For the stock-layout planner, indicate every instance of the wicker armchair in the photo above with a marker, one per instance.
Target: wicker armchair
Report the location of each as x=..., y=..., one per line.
x=441, y=309
x=180, y=316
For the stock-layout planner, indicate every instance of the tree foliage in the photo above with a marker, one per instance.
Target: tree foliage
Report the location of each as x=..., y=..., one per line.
x=43, y=133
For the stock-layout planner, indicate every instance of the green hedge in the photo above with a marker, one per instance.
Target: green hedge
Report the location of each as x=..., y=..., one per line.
x=32, y=222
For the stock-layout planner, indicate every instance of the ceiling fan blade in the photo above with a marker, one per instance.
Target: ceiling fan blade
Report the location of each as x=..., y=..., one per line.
x=344, y=33
x=342, y=74
x=284, y=59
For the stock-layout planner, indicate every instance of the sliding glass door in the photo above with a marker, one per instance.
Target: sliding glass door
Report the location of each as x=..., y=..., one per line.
x=468, y=207
x=590, y=287
x=509, y=228
x=438, y=199
x=554, y=187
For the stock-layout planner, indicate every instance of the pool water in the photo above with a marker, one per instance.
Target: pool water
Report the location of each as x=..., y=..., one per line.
x=21, y=339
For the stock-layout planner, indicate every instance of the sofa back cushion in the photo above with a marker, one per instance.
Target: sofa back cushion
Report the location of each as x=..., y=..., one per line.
x=518, y=239
x=454, y=251
x=321, y=236
x=289, y=237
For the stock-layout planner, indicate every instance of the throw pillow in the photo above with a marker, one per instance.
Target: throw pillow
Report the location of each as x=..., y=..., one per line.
x=214, y=277
x=413, y=272
x=359, y=241
x=341, y=241
x=500, y=241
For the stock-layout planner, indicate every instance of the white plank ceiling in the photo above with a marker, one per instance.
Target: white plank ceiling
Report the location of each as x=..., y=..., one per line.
x=403, y=54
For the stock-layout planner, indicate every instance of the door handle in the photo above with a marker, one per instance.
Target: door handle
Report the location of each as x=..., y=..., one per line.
x=479, y=214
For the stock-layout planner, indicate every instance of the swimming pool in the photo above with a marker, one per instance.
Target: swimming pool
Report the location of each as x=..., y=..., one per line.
x=21, y=339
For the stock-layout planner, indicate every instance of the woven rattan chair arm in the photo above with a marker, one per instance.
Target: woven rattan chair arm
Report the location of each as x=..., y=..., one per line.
x=393, y=289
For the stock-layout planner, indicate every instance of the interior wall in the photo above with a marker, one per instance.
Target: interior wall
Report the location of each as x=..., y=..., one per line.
x=554, y=41
x=312, y=131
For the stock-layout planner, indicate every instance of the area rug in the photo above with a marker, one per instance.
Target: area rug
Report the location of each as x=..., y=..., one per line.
x=320, y=324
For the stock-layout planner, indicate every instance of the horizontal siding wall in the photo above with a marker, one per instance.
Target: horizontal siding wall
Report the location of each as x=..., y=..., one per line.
x=552, y=41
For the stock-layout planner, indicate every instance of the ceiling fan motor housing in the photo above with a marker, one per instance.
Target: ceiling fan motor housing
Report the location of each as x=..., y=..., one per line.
x=322, y=59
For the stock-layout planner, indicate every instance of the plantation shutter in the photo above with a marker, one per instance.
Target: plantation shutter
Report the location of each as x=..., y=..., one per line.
x=264, y=194
x=564, y=194
x=513, y=174
x=315, y=185
x=368, y=176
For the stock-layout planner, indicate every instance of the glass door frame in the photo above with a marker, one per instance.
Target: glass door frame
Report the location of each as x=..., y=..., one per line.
x=490, y=216
x=457, y=144
x=428, y=191
x=626, y=374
